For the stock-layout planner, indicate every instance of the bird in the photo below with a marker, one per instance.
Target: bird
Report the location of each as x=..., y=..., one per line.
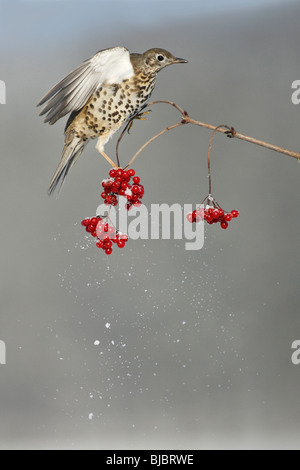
x=105, y=92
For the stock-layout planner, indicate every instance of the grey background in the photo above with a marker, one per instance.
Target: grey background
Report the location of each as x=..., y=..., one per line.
x=195, y=347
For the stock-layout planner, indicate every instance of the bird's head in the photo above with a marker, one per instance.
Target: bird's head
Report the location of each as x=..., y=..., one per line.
x=155, y=60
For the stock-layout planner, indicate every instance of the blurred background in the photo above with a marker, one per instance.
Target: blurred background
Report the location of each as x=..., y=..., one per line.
x=153, y=347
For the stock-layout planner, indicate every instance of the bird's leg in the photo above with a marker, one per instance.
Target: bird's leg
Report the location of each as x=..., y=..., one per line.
x=108, y=159
x=100, y=149
x=139, y=117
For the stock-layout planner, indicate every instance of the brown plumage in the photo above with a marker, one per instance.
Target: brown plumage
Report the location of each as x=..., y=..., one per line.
x=102, y=94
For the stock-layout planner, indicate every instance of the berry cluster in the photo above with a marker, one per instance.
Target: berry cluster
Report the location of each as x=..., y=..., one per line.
x=105, y=233
x=212, y=214
x=120, y=184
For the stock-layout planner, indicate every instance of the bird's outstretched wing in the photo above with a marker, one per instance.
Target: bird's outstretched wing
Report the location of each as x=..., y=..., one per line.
x=110, y=66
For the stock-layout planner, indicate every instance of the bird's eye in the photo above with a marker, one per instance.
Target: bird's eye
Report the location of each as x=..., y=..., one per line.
x=160, y=58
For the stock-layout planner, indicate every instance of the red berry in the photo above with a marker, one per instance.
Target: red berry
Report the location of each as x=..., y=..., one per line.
x=112, y=173
x=131, y=172
x=216, y=214
x=190, y=218
x=235, y=214
x=121, y=243
x=124, y=185
x=85, y=222
x=209, y=218
x=135, y=189
x=124, y=237
x=224, y=225
x=119, y=173
x=103, y=195
x=91, y=228
x=228, y=217
x=99, y=244
x=108, y=251
x=200, y=213
x=125, y=175
x=108, y=244
x=106, y=226
x=136, y=180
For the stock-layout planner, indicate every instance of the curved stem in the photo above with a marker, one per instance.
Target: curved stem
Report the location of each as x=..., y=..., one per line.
x=151, y=140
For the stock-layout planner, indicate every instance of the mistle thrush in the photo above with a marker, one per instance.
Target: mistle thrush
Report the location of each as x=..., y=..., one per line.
x=101, y=94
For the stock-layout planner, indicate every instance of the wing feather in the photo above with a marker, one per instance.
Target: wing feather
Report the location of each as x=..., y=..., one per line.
x=65, y=95
x=109, y=66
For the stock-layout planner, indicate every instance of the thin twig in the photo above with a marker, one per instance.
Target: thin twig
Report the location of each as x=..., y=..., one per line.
x=228, y=130
x=120, y=138
x=151, y=140
x=184, y=113
x=128, y=128
x=246, y=138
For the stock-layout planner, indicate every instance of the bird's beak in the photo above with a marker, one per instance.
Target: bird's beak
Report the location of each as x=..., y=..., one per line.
x=180, y=61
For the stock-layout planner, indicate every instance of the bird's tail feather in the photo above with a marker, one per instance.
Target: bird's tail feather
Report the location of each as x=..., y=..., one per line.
x=72, y=150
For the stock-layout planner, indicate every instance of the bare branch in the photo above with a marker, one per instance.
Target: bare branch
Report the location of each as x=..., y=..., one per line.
x=246, y=138
x=229, y=131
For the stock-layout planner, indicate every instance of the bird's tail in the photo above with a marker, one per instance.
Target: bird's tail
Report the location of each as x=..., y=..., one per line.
x=72, y=150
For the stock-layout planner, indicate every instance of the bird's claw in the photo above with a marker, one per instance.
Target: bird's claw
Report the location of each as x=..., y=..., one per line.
x=139, y=117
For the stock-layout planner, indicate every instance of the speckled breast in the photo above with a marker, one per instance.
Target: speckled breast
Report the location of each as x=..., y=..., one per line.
x=110, y=107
